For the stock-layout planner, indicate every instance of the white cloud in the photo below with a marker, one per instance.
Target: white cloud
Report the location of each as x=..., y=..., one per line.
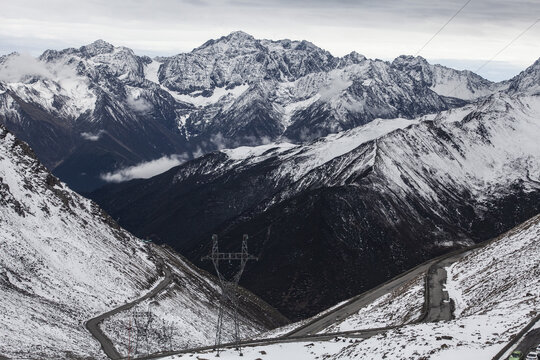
x=198, y=152
x=334, y=88
x=145, y=170
x=20, y=67
x=91, y=136
x=139, y=104
x=219, y=141
x=23, y=67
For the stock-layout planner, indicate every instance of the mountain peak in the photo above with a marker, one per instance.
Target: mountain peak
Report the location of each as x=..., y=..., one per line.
x=239, y=35
x=409, y=59
x=528, y=80
x=353, y=58
x=4, y=58
x=535, y=66
x=97, y=47
x=239, y=38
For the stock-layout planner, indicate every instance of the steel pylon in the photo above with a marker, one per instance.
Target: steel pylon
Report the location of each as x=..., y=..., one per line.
x=229, y=288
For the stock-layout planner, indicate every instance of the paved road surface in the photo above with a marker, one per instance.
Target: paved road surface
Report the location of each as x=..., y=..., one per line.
x=437, y=308
x=93, y=324
x=529, y=342
x=526, y=340
x=357, y=303
x=365, y=334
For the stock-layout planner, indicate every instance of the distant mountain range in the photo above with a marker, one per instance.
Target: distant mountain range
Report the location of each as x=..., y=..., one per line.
x=100, y=108
x=340, y=214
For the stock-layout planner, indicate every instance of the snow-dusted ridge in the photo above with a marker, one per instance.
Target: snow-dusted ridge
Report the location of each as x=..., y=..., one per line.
x=323, y=150
x=481, y=164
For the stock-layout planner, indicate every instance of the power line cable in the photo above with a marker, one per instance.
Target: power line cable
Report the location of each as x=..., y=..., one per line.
x=442, y=28
x=508, y=45
x=499, y=52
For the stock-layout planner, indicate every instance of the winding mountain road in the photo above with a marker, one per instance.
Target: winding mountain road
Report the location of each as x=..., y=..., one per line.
x=358, y=302
x=437, y=307
x=93, y=324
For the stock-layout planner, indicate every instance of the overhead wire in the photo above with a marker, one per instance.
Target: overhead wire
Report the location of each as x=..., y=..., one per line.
x=508, y=45
x=500, y=51
x=442, y=28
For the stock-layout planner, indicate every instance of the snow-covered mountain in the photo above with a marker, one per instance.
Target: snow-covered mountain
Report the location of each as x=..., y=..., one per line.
x=64, y=261
x=93, y=110
x=88, y=111
x=239, y=58
x=393, y=192
x=445, y=81
x=526, y=81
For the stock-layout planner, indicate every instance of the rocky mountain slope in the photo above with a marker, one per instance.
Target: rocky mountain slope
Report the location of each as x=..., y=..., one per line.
x=64, y=261
x=495, y=289
x=323, y=216
x=99, y=108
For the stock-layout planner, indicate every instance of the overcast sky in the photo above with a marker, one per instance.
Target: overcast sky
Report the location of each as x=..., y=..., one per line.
x=375, y=28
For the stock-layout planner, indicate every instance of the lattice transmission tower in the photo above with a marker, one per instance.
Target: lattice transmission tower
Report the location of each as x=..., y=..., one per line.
x=229, y=288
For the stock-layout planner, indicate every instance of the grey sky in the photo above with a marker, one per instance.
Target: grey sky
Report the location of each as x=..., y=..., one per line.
x=378, y=29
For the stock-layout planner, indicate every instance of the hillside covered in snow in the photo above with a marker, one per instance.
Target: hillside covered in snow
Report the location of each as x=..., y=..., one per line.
x=64, y=261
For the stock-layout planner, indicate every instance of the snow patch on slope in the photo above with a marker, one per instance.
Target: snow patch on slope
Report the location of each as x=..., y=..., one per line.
x=151, y=71
x=64, y=261
x=60, y=261
x=482, y=279
x=197, y=99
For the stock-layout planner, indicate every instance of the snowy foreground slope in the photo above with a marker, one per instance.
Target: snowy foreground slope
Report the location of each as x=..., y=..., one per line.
x=496, y=290
x=64, y=261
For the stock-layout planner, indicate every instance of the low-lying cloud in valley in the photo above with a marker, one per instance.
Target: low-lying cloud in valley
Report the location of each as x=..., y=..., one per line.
x=139, y=104
x=145, y=170
x=334, y=88
x=91, y=136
